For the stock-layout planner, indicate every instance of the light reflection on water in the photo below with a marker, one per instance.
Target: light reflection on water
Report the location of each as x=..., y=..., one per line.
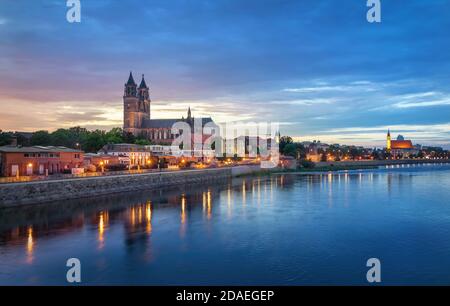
x=285, y=229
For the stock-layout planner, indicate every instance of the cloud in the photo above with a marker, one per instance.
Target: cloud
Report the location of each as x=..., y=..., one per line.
x=305, y=102
x=415, y=100
x=287, y=61
x=422, y=103
x=399, y=128
x=352, y=87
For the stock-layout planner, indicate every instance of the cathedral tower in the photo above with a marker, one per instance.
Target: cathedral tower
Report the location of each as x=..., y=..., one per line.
x=136, y=106
x=144, y=99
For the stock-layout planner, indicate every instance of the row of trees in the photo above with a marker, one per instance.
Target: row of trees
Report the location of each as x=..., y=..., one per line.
x=297, y=150
x=75, y=137
x=339, y=152
x=290, y=148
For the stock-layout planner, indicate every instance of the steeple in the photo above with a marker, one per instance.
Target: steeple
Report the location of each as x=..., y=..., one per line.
x=131, y=80
x=130, y=87
x=388, y=141
x=189, y=113
x=143, y=85
x=143, y=95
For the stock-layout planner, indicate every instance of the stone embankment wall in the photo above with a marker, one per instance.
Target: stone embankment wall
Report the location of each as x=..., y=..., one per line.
x=16, y=194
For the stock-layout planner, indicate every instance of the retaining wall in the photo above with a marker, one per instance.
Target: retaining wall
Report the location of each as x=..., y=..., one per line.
x=16, y=194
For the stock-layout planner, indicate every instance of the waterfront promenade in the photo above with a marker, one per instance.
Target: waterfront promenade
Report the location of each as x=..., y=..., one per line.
x=26, y=193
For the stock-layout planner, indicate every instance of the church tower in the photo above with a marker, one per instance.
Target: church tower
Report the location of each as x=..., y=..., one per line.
x=388, y=141
x=144, y=99
x=136, y=106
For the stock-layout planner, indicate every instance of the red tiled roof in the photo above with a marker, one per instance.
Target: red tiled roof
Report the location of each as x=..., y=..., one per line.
x=401, y=144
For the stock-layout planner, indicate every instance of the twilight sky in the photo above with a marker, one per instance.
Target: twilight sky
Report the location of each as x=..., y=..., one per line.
x=316, y=66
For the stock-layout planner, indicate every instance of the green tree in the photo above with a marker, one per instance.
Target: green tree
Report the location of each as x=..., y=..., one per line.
x=60, y=137
x=5, y=138
x=301, y=151
x=285, y=140
x=77, y=136
x=354, y=152
x=128, y=137
x=115, y=135
x=41, y=138
x=94, y=141
x=142, y=142
x=290, y=149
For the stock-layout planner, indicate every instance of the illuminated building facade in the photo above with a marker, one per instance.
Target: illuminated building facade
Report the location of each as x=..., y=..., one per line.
x=129, y=154
x=399, y=147
x=37, y=160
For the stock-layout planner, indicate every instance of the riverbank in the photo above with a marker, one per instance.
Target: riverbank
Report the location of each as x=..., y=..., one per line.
x=17, y=194
x=377, y=163
x=337, y=168
x=324, y=167
x=26, y=193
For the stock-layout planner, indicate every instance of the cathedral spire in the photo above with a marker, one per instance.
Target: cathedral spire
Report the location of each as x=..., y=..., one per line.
x=131, y=80
x=189, y=113
x=143, y=84
x=130, y=87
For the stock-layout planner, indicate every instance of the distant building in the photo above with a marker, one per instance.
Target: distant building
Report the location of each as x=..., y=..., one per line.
x=160, y=150
x=248, y=146
x=129, y=154
x=99, y=160
x=399, y=147
x=288, y=162
x=38, y=160
x=137, y=119
x=175, y=151
x=313, y=156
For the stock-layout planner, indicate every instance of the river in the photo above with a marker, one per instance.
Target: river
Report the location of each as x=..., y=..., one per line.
x=286, y=229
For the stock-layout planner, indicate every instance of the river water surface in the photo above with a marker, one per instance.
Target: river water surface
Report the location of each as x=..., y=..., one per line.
x=281, y=230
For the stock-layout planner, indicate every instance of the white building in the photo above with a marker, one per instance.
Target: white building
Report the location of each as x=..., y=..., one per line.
x=129, y=154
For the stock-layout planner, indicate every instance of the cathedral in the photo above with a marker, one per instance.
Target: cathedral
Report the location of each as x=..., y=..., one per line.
x=399, y=146
x=137, y=116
